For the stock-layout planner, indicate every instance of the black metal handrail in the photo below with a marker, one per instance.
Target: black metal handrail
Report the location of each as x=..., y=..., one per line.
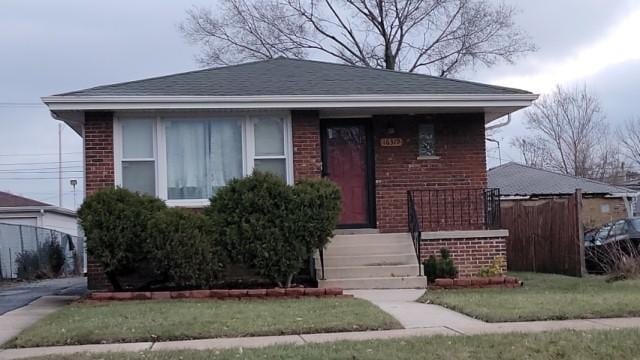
x=413, y=223
x=321, y=251
x=441, y=209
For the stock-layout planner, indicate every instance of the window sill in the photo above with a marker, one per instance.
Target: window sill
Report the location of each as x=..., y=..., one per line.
x=188, y=203
x=430, y=157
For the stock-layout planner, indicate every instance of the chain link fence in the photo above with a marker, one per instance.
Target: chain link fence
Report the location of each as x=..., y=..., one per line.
x=26, y=249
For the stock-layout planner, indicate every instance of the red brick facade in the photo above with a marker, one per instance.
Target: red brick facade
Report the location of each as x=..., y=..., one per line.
x=468, y=254
x=460, y=149
x=461, y=163
x=99, y=174
x=98, y=155
x=307, y=161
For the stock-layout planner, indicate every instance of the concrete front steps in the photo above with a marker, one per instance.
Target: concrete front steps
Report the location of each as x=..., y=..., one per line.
x=370, y=261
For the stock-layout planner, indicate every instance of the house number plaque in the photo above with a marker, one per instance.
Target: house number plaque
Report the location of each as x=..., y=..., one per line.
x=388, y=142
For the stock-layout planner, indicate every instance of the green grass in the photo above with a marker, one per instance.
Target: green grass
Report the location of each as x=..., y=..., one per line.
x=545, y=297
x=131, y=321
x=583, y=345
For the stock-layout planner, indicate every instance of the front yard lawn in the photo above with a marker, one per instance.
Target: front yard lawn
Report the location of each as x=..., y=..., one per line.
x=583, y=345
x=545, y=297
x=132, y=321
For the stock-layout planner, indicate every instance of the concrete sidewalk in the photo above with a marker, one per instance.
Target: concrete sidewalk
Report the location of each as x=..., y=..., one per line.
x=13, y=322
x=256, y=342
x=417, y=318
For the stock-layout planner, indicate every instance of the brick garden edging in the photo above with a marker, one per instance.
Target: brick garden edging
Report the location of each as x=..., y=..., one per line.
x=477, y=283
x=230, y=294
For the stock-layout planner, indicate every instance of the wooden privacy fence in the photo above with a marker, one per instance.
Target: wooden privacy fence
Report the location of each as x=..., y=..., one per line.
x=545, y=235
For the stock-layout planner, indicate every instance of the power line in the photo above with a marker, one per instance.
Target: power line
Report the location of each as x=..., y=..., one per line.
x=43, y=168
x=43, y=154
x=39, y=178
x=40, y=163
x=39, y=172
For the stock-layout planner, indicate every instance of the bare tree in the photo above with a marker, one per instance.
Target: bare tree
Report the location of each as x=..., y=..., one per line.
x=570, y=136
x=534, y=151
x=435, y=36
x=628, y=136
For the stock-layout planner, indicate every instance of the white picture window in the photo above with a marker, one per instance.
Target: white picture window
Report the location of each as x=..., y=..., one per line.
x=202, y=156
x=138, y=160
x=186, y=159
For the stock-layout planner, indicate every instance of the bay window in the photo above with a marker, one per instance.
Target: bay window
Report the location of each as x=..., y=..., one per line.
x=185, y=159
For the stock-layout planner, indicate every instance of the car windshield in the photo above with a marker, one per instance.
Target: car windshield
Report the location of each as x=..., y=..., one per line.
x=636, y=224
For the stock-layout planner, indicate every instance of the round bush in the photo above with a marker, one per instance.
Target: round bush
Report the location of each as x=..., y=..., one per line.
x=114, y=221
x=271, y=226
x=182, y=248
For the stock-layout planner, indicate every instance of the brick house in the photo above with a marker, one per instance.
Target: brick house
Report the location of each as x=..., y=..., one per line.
x=407, y=150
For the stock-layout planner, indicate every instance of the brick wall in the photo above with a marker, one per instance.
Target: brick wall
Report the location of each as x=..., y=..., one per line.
x=468, y=254
x=98, y=146
x=460, y=146
x=307, y=162
x=592, y=211
x=99, y=173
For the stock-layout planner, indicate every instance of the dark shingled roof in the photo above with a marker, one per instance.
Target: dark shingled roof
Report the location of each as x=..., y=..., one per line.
x=284, y=76
x=517, y=179
x=10, y=200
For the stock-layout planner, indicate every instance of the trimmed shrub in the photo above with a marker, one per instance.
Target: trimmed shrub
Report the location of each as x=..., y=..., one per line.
x=319, y=208
x=443, y=267
x=273, y=227
x=182, y=248
x=255, y=219
x=114, y=221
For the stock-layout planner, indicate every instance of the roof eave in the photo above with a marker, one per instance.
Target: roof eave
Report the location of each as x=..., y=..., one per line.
x=61, y=103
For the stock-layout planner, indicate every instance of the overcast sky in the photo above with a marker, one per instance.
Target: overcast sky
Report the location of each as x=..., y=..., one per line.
x=48, y=47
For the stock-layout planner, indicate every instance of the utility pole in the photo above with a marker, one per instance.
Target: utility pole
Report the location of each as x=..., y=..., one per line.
x=60, y=164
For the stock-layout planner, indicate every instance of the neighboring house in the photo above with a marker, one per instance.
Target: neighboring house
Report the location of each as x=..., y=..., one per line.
x=601, y=202
x=20, y=210
x=377, y=133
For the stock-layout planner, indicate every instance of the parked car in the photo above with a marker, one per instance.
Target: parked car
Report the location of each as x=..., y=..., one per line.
x=621, y=235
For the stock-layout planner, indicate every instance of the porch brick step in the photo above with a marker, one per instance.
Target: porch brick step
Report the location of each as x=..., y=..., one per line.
x=408, y=258
x=350, y=272
x=368, y=249
x=407, y=282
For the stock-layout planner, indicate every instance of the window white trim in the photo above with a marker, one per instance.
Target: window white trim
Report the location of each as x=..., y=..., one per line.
x=118, y=156
x=160, y=149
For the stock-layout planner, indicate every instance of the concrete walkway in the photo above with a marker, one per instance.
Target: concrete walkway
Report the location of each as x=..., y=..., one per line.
x=419, y=320
x=401, y=304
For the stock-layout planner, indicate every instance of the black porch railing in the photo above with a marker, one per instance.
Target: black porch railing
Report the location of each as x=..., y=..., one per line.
x=442, y=209
x=414, y=228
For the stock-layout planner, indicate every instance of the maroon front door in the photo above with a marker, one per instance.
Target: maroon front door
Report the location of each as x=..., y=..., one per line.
x=345, y=163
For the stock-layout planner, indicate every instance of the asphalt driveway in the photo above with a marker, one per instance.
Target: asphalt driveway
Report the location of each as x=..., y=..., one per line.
x=14, y=296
